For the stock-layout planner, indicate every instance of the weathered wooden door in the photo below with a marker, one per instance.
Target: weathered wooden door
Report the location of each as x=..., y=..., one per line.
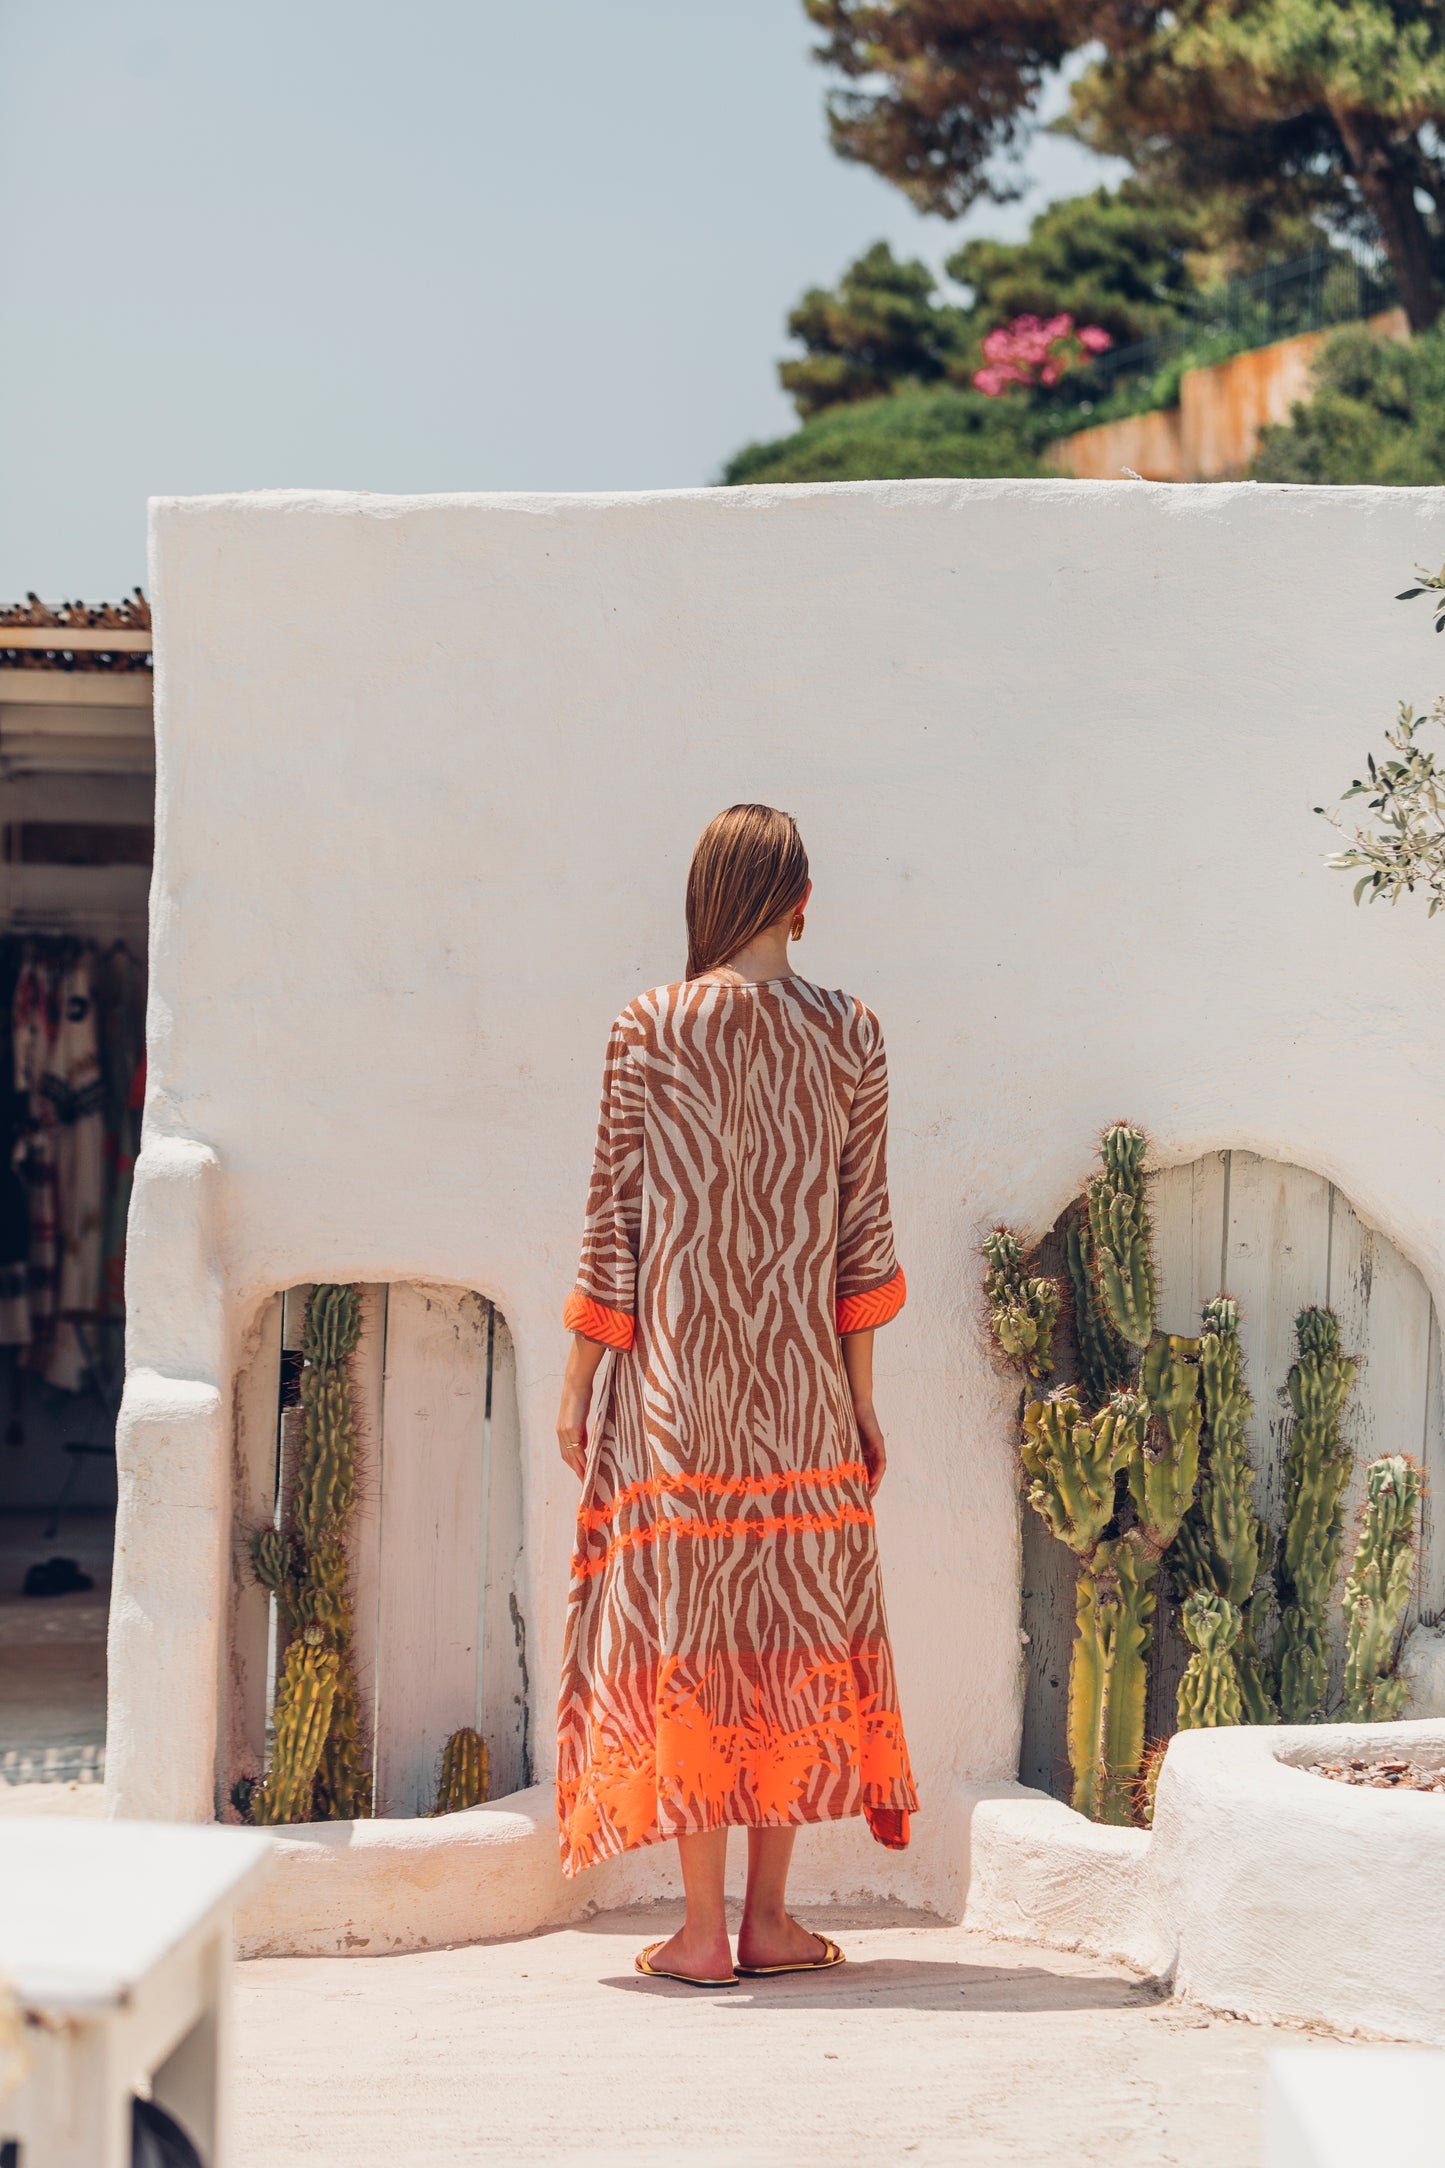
x=448, y=1626
x=1277, y=1238
x=435, y=1541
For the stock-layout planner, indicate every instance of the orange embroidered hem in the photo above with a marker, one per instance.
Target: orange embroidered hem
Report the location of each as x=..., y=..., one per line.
x=614, y=1328
x=754, y=1742
x=860, y=1313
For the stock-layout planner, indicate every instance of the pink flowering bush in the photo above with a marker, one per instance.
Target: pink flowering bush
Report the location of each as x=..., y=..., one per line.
x=1035, y=350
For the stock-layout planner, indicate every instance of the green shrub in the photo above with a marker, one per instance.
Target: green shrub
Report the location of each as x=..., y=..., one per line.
x=914, y=434
x=1377, y=414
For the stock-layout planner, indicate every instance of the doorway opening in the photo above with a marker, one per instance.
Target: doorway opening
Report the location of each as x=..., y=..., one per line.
x=77, y=790
x=433, y=1542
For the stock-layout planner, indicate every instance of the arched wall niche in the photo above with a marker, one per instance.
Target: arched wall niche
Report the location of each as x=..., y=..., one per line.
x=1277, y=1237
x=436, y=1536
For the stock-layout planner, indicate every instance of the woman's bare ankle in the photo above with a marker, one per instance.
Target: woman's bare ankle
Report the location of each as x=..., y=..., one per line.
x=701, y=1949
x=776, y=1938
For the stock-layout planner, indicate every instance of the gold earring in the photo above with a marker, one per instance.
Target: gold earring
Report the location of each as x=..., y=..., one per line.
x=798, y=927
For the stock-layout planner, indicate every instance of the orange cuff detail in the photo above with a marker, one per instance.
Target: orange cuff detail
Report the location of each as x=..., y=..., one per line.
x=860, y=1313
x=614, y=1328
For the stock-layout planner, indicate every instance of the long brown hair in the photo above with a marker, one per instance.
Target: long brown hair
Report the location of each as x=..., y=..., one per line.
x=749, y=867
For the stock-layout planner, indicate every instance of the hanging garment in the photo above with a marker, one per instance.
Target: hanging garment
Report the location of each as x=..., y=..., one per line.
x=727, y=1657
x=14, y=1200
x=34, y=1022
x=120, y=987
x=73, y=1084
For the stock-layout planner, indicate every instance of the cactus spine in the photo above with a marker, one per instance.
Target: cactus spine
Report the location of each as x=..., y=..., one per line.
x=1119, y=1225
x=1022, y=1306
x=464, y=1772
x=304, y=1565
x=1378, y=1590
x=304, y=1702
x=1317, y=1468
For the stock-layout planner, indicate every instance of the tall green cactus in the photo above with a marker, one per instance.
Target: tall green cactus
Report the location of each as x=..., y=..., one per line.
x=1071, y=1460
x=304, y=1701
x=1119, y=1225
x=1210, y=1692
x=1256, y=1675
x=464, y=1772
x=1163, y=1475
x=1377, y=1591
x=1233, y=1535
x=305, y=1564
x=1221, y=1546
x=1091, y=1452
x=1317, y=1469
x=1106, y=1359
x=1113, y=1617
x=1023, y=1306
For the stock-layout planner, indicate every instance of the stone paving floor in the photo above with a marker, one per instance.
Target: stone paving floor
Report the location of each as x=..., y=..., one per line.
x=932, y=2046
x=52, y=1654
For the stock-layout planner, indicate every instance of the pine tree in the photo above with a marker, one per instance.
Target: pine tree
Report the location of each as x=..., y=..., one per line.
x=1266, y=114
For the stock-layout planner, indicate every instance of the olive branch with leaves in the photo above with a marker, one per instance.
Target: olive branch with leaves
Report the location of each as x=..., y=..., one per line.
x=1404, y=847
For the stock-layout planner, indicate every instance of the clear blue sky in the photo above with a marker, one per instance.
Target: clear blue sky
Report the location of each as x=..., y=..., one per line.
x=447, y=244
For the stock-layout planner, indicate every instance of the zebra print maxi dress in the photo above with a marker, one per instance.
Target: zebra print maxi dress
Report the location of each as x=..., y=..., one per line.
x=727, y=1656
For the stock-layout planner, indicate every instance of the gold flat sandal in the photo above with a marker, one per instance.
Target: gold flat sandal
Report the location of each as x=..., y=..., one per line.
x=688, y=1979
x=831, y=1956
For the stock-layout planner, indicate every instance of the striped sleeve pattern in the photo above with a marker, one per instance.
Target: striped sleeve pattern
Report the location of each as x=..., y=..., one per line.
x=603, y=1303
x=870, y=1289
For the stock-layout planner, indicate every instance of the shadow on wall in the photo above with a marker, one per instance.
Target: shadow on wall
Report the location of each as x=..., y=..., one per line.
x=434, y=1539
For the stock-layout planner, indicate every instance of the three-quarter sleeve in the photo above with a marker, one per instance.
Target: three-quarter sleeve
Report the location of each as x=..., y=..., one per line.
x=870, y=1288
x=603, y=1303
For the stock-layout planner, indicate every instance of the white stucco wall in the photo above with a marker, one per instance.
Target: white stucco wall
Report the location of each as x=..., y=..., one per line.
x=430, y=771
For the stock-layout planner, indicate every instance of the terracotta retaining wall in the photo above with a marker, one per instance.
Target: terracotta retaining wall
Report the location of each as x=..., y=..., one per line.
x=1213, y=433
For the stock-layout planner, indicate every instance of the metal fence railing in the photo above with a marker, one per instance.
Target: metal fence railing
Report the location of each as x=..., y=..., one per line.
x=1307, y=293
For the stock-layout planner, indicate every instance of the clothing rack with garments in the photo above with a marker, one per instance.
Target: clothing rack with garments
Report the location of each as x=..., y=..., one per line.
x=72, y=1081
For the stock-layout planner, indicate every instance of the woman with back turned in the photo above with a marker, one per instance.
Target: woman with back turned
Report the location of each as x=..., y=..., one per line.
x=727, y=1659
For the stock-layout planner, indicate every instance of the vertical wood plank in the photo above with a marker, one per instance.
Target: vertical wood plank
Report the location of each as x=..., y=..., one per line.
x=253, y=1500
x=1432, y=1539
x=1050, y=1572
x=434, y=1411
x=1187, y=1207
x=502, y=1657
x=1168, y=1660
x=364, y=1543
x=1384, y=1310
x=1277, y=1263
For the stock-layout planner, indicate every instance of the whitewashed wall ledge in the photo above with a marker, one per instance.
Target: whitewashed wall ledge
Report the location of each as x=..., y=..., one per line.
x=429, y=774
